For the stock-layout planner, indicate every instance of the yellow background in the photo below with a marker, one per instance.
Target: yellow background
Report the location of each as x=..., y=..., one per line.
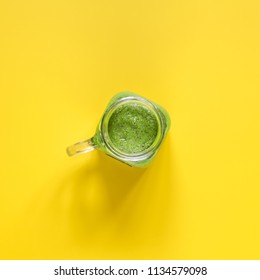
x=61, y=62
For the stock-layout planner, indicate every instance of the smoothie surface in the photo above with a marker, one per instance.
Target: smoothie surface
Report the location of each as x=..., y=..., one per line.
x=132, y=128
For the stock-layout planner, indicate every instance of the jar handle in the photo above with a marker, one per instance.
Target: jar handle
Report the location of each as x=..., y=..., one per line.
x=82, y=147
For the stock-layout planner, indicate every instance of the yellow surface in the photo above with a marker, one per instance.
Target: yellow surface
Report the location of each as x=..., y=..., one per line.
x=61, y=62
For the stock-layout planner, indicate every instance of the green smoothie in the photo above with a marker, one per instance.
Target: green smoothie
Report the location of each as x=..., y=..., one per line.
x=132, y=128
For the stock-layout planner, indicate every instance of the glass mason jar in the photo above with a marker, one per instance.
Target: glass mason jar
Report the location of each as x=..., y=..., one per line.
x=131, y=130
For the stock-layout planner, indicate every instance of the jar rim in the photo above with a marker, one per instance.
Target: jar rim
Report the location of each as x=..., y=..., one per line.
x=105, y=134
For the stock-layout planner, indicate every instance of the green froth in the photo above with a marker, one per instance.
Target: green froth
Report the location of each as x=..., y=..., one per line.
x=132, y=128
